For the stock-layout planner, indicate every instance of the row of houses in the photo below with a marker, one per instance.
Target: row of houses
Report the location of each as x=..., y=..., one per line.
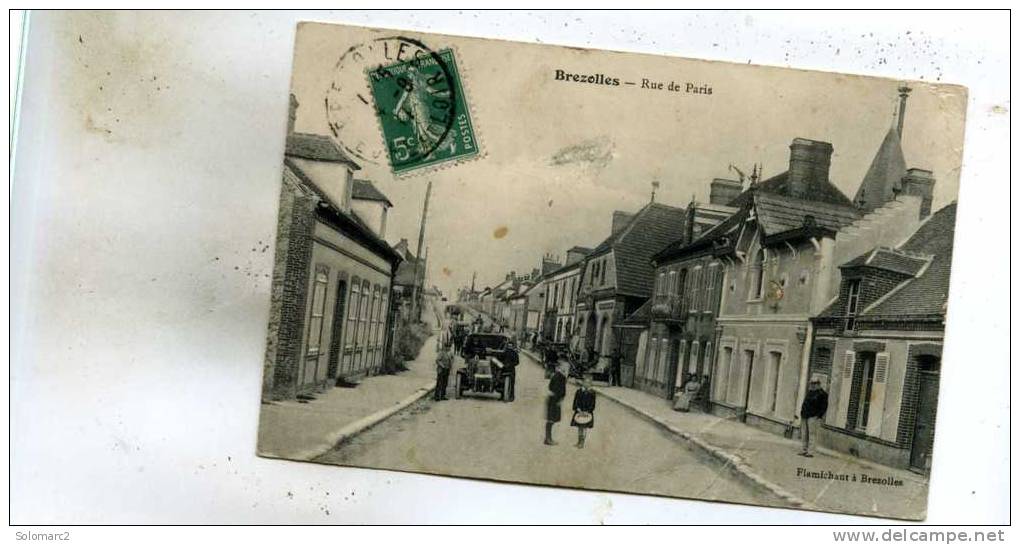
x=769, y=285
x=338, y=287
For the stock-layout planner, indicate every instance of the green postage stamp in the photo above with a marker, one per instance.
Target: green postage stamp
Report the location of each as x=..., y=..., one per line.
x=423, y=112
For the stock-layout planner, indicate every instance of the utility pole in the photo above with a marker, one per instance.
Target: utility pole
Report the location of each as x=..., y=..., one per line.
x=424, y=283
x=416, y=289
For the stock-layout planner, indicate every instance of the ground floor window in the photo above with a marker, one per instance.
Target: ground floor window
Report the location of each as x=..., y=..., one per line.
x=775, y=360
x=865, y=381
x=723, y=372
x=318, y=310
x=743, y=379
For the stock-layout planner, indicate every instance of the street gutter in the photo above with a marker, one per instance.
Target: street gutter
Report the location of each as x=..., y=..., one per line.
x=731, y=461
x=349, y=431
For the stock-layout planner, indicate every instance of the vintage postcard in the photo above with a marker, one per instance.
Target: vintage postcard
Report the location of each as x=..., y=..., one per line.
x=611, y=271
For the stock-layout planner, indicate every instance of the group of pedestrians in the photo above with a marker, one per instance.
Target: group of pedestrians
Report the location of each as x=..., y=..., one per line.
x=812, y=411
x=583, y=406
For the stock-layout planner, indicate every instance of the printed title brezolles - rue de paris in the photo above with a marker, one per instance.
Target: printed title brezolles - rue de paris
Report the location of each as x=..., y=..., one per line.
x=644, y=83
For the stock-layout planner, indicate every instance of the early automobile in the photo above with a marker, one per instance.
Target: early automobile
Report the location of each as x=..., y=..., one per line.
x=485, y=371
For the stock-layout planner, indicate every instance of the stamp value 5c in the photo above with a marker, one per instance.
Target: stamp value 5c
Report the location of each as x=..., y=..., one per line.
x=423, y=112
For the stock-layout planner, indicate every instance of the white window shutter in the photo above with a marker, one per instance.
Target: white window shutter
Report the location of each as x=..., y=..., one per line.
x=681, y=352
x=641, y=347
x=876, y=411
x=846, y=377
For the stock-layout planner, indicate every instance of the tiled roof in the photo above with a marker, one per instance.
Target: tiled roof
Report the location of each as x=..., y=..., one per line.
x=681, y=247
x=564, y=268
x=928, y=293
x=351, y=223
x=889, y=260
x=317, y=148
x=778, y=213
x=823, y=192
x=884, y=175
x=650, y=230
x=367, y=191
x=775, y=214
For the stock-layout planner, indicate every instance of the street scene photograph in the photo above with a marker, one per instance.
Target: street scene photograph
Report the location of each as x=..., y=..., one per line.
x=611, y=271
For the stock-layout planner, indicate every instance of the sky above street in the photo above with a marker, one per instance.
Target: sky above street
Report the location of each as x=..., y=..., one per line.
x=560, y=156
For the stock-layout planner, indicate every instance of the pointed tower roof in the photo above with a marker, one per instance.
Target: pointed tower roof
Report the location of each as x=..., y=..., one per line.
x=882, y=181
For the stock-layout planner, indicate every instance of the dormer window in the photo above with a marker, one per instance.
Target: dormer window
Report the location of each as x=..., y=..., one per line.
x=853, y=301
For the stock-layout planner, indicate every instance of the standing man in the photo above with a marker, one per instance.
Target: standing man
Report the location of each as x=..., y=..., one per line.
x=458, y=341
x=557, y=391
x=510, y=360
x=444, y=360
x=816, y=402
x=614, y=368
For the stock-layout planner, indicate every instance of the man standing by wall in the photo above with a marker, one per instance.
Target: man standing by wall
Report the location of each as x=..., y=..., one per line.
x=816, y=402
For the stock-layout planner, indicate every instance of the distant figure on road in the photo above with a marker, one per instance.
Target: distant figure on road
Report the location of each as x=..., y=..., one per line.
x=816, y=402
x=551, y=359
x=444, y=360
x=584, y=410
x=557, y=391
x=458, y=341
x=614, y=368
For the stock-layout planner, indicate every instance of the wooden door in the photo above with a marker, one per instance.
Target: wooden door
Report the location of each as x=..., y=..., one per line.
x=337, y=329
x=927, y=404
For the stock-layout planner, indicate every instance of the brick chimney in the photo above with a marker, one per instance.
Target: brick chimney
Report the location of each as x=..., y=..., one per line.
x=919, y=183
x=723, y=191
x=620, y=219
x=549, y=263
x=809, y=166
x=293, y=114
x=575, y=254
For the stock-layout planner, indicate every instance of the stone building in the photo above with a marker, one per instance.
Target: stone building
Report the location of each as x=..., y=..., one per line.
x=688, y=282
x=780, y=253
x=617, y=277
x=331, y=287
x=561, y=297
x=878, y=348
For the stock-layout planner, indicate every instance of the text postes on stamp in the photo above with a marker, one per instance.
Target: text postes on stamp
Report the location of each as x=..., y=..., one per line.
x=422, y=112
x=410, y=94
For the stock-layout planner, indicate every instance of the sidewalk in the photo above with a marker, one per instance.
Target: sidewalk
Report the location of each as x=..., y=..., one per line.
x=771, y=461
x=304, y=431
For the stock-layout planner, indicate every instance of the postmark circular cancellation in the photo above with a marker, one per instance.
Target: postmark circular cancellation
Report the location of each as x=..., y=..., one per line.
x=412, y=94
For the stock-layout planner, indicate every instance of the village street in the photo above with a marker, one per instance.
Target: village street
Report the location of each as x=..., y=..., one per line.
x=486, y=438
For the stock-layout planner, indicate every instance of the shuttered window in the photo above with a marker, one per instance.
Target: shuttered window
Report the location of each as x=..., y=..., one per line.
x=695, y=289
x=876, y=408
x=318, y=310
x=846, y=374
x=722, y=372
x=352, y=314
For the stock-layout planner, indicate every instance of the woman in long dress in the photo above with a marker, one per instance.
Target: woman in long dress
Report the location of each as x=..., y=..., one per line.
x=688, y=392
